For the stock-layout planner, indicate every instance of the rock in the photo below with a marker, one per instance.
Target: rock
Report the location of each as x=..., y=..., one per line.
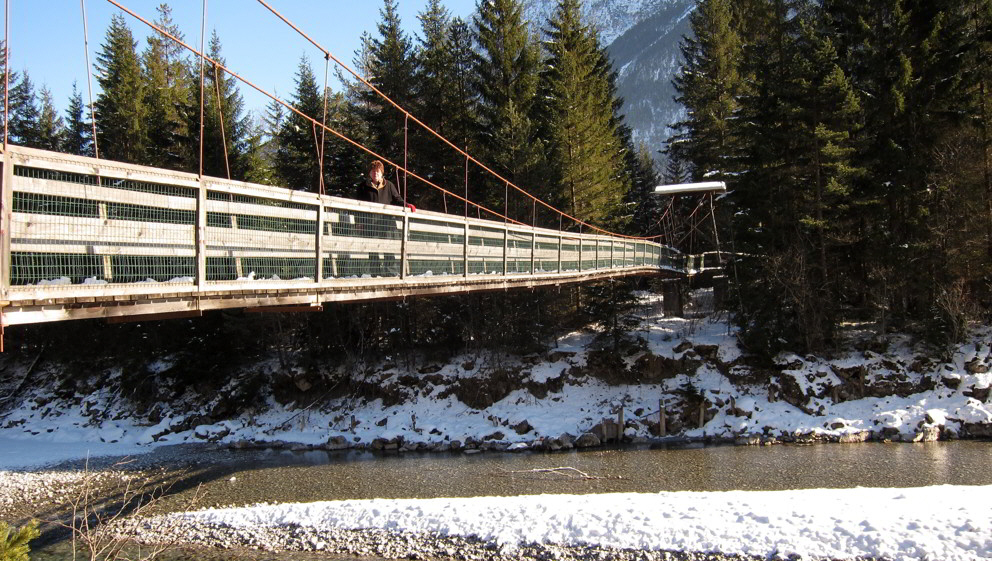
x=554, y=444
x=976, y=366
x=977, y=430
x=456, y=445
x=709, y=352
x=837, y=425
x=587, y=440
x=927, y=434
x=682, y=347
x=498, y=435
x=890, y=433
x=337, y=442
x=981, y=394
x=854, y=437
x=748, y=441
x=951, y=380
x=523, y=427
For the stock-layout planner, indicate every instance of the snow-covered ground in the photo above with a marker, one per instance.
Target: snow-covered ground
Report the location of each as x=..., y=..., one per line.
x=679, y=360
x=809, y=396
x=941, y=522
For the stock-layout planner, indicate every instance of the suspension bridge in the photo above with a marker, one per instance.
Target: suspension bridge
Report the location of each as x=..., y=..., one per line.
x=85, y=237
x=90, y=238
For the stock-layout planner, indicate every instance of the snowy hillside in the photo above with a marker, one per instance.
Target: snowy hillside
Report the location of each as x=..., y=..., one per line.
x=642, y=37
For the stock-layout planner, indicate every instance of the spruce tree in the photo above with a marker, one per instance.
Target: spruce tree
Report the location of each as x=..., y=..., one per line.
x=391, y=70
x=709, y=85
x=51, y=128
x=506, y=71
x=78, y=134
x=433, y=89
x=579, y=119
x=24, y=114
x=296, y=154
x=10, y=80
x=225, y=126
x=172, y=143
x=121, y=110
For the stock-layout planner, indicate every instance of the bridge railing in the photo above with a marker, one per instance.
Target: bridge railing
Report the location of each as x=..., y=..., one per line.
x=81, y=227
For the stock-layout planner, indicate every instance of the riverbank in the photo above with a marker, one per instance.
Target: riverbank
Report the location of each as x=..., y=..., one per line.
x=356, y=504
x=579, y=393
x=941, y=522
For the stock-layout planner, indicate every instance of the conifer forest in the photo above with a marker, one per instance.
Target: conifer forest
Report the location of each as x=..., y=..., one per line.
x=855, y=139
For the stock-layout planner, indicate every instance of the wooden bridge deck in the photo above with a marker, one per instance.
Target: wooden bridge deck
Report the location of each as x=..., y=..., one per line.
x=85, y=238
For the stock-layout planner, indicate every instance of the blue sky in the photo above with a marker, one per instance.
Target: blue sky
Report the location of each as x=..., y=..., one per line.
x=46, y=36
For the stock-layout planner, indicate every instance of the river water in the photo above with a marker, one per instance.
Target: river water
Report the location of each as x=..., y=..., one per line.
x=247, y=477
x=238, y=478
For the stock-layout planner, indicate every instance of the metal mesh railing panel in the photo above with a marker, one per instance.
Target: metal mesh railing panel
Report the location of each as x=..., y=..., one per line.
x=61, y=238
x=546, y=255
x=519, y=252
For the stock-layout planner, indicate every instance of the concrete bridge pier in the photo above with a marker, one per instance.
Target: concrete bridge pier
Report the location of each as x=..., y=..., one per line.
x=673, y=292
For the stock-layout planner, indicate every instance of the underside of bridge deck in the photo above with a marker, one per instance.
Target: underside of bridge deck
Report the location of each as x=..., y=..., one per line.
x=192, y=303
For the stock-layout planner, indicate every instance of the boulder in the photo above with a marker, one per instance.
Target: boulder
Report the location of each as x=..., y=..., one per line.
x=927, y=434
x=523, y=427
x=337, y=442
x=976, y=366
x=587, y=440
x=977, y=430
x=854, y=437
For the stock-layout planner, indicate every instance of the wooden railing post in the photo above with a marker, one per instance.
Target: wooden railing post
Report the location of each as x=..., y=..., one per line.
x=406, y=232
x=581, y=243
x=533, y=251
x=201, y=235
x=319, y=246
x=613, y=245
x=506, y=245
x=597, y=254
x=561, y=242
x=6, y=210
x=465, y=246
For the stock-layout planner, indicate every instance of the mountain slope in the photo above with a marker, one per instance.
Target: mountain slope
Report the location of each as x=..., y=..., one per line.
x=643, y=39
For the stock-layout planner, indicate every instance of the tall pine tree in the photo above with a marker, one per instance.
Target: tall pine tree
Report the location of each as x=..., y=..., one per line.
x=78, y=135
x=121, y=110
x=172, y=143
x=24, y=114
x=390, y=68
x=579, y=120
x=506, y=71
x=296, y=160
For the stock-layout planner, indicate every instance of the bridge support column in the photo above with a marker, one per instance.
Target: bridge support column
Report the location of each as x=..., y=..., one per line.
x=673, y=299
x=719, y=292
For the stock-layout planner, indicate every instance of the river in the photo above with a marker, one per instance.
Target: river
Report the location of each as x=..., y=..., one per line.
x=245, y=477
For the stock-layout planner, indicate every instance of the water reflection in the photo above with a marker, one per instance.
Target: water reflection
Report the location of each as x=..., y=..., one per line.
x=311, y=476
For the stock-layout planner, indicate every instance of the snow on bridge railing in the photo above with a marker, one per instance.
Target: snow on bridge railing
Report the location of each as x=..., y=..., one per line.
x=86, y=227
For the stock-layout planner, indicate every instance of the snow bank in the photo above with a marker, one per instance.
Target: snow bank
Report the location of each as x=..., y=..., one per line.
x=941, y=522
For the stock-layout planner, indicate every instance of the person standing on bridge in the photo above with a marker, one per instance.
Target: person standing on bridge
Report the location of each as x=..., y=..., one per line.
x=377, y=189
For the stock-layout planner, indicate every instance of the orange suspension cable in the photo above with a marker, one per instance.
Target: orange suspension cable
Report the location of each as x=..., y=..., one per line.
x=6, y=70
x=247, y=82
x=220, y=115
x=435, y=133
x=323, y=122
x=89, y=77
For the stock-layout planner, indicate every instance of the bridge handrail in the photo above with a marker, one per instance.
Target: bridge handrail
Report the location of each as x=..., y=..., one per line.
x=82, y=227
